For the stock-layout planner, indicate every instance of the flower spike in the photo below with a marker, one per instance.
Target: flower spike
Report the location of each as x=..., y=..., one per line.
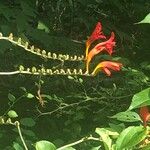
x=96, y=34
x=106, y=66
x=107, y=46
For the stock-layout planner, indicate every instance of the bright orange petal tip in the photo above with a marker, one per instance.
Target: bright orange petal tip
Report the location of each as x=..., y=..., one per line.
x=106, y=66
x=145, y=115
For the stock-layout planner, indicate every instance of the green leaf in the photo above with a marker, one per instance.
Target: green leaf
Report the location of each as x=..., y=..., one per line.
x=29, y=95
x=70, y=78
x=80, y=80
x=130, y=137
x=69, y=148
x=44, y=145
x=140, y=99
x=95, y=148
x=12, y=114
x=11, y=97
x=28, y=132
x=104, y=134
x=42, y=26
x=145, y=20
x=29, y=122
x=17, y=146
x=127, y=116
x=117, y=127
x=23, y=88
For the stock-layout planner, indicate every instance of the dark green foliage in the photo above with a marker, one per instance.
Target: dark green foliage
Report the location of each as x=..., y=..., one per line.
x=74, y=106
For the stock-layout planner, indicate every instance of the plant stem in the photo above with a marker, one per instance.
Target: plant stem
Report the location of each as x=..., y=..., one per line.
x=79, y=141
x=17, y=124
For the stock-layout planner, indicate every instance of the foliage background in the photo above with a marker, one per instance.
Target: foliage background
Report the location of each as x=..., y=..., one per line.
x=63, y=27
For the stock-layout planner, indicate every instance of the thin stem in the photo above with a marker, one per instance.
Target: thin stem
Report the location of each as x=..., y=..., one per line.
x=13, y=104
x=79, y=141
x=9, y=73
x=17, y=124
x=67, y=106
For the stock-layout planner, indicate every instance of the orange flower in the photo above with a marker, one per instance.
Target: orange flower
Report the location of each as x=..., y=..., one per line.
x=145, y=115
x=107, y=45
x=96, y=34
x=105, y=66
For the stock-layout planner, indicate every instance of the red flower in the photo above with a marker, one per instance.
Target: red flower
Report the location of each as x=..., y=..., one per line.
x=96, y=34
x=145, y=115
x=106, y=66
x=107, y=45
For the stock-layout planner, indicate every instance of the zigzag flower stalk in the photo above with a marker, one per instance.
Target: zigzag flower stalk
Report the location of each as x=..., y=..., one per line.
x=96, y=34
x=39, y=52
x=104, y=66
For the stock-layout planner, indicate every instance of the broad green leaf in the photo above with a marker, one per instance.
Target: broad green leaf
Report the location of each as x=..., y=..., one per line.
x=69, y=148
x=130, y=137
x=140, y=99
x=44, y=145
x=12, y=114
x=96, y=148
x=11, y=97
x=117, y=127
x=145, y=20
x=127, y=116
x=42, y=26
x=29, y=122
x=104, y=134
x=17, y=146
x=29, y=95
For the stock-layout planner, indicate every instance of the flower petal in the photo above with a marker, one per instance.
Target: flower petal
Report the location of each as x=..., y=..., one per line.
x=106, y=66
x=96, y=34
x=109, y=44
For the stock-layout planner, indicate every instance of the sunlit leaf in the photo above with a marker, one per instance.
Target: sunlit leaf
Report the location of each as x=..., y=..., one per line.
x=140, y=99
x=145, y=20
x=70, y=77
x=127, y=116
x=95, y=148
x=130, y=137
x=12, y=114
x=44, y=145
x=29, y=95
x=42, y=26
x=104, y=134
x=69, y=148
x=80, y=80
